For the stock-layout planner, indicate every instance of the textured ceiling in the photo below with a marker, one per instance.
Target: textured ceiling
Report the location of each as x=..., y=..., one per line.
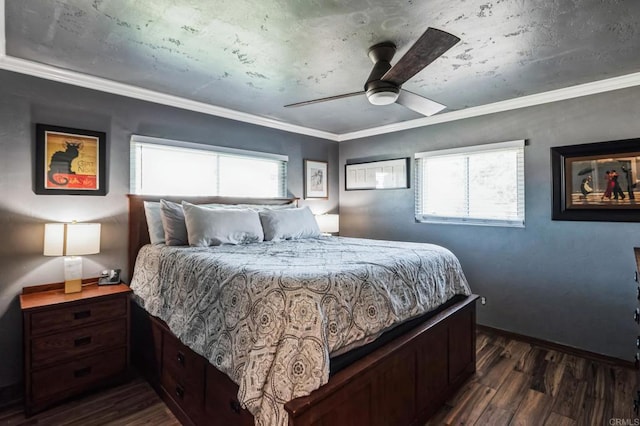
x=257, y=56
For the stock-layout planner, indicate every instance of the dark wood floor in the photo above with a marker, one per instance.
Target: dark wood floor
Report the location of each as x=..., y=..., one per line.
x=515, y=384
x=520, y=384
x=134, y=403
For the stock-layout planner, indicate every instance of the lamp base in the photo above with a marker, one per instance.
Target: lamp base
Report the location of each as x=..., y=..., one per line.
x=72, y=274
x=73, y=286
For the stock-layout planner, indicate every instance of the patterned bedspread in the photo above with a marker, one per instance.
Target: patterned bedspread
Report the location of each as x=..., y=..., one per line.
x=270, y=314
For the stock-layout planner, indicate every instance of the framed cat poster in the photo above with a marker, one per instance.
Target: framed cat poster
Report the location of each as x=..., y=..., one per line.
x=70, y=161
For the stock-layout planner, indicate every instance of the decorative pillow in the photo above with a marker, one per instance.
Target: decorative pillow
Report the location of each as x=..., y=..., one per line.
x=288, y=224
x=175, y=230
x=154, y=222
x=213, y=227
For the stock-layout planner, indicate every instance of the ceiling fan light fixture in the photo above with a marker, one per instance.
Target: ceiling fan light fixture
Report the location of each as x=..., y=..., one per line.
x=383, y=96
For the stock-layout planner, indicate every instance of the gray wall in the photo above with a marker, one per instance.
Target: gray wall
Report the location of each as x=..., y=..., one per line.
x=566, y=282
x=25, y=101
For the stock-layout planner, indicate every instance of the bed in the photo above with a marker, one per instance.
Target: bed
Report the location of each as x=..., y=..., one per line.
x=299, y=332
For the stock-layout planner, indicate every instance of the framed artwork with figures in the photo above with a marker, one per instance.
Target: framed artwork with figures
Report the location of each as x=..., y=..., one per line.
x=69, y=161
x=315, y=180
x=597, y=181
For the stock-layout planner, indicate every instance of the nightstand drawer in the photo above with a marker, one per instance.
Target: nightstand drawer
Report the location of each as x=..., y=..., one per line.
x=74, y=343
x=75, y=375
x=69, y=316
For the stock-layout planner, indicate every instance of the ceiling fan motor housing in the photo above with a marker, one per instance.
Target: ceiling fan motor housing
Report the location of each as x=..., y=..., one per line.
x=381, y=92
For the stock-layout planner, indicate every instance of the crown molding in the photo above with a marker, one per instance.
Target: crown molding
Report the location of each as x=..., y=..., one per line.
x=586, y=89
x=49, y=72
x=60, y=75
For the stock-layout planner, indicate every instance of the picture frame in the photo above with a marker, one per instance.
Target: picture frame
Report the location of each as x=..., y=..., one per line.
x=70, y=161
x=382, y=174
x=316, y=186
x=597, y=181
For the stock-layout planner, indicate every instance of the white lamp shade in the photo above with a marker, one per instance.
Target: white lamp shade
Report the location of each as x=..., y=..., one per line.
x=71, y=239
x=328, y=223
x=54, y=239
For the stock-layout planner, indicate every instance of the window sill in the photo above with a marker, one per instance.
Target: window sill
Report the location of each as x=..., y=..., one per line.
x=474, y=222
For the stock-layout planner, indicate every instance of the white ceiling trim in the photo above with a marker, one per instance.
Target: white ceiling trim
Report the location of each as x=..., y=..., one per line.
x=600, y=86
x=90, y=82
x=83, y=80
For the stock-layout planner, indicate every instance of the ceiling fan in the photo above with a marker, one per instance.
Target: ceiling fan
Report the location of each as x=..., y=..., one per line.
x=384, y=85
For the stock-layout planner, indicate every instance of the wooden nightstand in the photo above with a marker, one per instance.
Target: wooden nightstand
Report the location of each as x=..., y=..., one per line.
x=73, y=342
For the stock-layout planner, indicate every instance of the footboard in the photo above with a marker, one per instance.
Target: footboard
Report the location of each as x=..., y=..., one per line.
x=401, y=383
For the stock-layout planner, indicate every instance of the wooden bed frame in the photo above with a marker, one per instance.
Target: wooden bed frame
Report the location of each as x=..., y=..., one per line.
x=403, y=382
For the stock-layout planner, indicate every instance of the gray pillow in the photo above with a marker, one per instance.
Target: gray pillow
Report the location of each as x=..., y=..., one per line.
x=213, y=227
x=154, y=222
x=288, y=224
x=175, y=230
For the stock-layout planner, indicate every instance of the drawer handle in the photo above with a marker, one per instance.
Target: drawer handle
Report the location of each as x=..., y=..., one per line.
x=181, y=358
x=235, y=406
x=180, y=392
x=82, y=372
x=82, y=341
x=82, y=314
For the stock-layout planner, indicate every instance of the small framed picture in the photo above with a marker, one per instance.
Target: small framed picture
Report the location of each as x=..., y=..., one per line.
x=70, y=161
x=385, y=174
x=315, y=180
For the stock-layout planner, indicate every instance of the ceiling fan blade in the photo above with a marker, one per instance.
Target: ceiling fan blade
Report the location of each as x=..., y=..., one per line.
x=330, y=98
x=419, y=104
x=427, y=49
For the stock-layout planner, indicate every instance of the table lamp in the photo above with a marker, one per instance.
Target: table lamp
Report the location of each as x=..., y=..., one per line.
x=328, y=223
x=71, y=240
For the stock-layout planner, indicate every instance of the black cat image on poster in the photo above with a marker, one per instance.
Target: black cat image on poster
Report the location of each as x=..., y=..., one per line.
x=61, y=163
x=69, y=161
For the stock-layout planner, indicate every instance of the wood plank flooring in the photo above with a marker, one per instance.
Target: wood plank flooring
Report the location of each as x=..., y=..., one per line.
x=134, y=403
x=515, y=384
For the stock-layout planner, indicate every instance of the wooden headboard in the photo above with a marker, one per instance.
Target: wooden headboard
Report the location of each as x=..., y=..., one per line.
x=139, y=234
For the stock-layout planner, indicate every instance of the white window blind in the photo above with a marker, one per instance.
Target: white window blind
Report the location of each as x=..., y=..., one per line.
x=169, y=167
x=482, y=185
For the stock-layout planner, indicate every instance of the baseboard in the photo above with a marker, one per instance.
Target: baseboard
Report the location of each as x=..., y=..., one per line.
x=592, y=356
x=11, y=395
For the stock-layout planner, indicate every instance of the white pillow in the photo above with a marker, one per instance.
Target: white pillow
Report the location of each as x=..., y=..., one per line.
x=154, y=222
x=213, y=227
x=288, y=224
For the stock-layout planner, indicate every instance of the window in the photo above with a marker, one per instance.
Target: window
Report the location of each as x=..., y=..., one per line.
x=482, y=185
x=167, y=167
